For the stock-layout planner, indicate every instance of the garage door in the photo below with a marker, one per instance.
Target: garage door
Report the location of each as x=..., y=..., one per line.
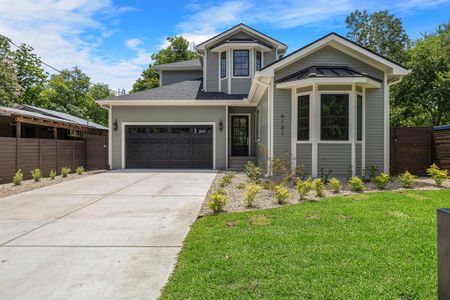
x=169, y=146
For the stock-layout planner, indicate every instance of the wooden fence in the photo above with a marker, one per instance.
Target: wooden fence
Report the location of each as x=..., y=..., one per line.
x=410, y=149
x=442, y=148
x=47, y=154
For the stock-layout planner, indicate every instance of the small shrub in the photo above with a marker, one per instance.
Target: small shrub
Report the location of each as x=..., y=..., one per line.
x=437, y=174
x=303, y=187
x=251, y=190
x=52, y=174
x=382, y=180
x=36, y=174
x=281, y=194
x=253, y=171
x=241, y=185
x=217, y=202
x=335, y=185
x=299, y=173
x=318, y=187
x=221, y=191
x=268, y=185
x=65, y=171
x=406, y=180
x=80, y=170
x=18, y=177
x=325, y=175
x=355, y=184
x=227, y=179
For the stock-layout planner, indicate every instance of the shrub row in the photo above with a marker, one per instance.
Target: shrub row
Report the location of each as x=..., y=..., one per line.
x=36, y=174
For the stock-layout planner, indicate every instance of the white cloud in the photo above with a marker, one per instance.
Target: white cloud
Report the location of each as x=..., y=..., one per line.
x=133, y=43
x=66, y=33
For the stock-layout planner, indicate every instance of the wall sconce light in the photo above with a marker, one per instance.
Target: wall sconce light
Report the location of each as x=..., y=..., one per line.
x=115, y=125
x=220, y=125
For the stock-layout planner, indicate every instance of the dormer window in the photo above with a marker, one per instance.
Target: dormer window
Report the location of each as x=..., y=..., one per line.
x=223, y=64
x=258, y=61
x=241, y=63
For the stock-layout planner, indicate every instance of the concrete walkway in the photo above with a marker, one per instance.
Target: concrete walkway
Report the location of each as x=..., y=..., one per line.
x=114, y=235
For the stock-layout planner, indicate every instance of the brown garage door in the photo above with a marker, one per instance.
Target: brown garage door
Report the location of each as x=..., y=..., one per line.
x=169, y=146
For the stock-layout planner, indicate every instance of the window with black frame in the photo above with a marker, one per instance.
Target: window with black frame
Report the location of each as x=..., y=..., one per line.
x=334, y=117
x=223, y=65
x=359, y=113
x=241, y=60
x=258, y=61
x=303, y=118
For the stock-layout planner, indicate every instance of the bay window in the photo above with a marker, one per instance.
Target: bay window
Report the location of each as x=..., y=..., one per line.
x=303, y=118
x=223, y=64
x=241, y=63
x=334, y=117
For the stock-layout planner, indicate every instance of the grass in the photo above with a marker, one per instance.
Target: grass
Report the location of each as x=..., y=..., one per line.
x=368, y=246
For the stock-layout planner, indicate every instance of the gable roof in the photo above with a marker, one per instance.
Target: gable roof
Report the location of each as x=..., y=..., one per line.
x=193, y=64
x=337, y=39
x=184, y=90
x=238, y=27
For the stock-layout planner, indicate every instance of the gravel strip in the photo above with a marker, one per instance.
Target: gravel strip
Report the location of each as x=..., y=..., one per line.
x=266, y=198
x=8, y=189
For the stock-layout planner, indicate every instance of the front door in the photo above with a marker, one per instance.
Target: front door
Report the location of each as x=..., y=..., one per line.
x=239, y=135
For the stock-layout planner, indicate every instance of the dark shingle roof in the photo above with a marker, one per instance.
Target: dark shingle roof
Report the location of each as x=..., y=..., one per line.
x=184, y=90
x=325, y=71
x=187, y=64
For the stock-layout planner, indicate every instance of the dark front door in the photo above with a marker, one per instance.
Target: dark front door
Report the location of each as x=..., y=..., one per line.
x=239, y=135
x=169, y=146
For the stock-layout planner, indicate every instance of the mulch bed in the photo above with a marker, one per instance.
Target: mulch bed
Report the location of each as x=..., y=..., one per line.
x=266, y=199
x=8, y=189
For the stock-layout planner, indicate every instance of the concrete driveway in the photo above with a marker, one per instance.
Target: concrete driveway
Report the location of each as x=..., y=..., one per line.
x=114, y=235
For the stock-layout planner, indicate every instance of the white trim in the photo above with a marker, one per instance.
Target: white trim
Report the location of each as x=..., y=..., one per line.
x=243, y=27
x=272, y=123
x=220, y=69
x=110, y=131
x=160, y=78
x=363, y=145
x=252, y=45
x=386, y=124
x=294, y=120
x=229, y=70
x=175, y=102
x=364, y=81
x=226, y=137
x=311, y=116
x=124, y=124
x=352, y=128
x=205, y=67
x=334, y=40
x=249, y=64
x=249, y=125
x=314, y=131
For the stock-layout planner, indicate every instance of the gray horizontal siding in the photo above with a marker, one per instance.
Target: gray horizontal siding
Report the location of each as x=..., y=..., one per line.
x=269, y=57
x=335, y=157
x=169, y=77
x=282, y=126
x=212, y=71
x=304, y=158
x=240, y=85
x=263, y=130
x=224, y=85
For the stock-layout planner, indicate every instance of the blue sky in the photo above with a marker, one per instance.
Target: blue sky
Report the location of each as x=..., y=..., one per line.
x=112, y=40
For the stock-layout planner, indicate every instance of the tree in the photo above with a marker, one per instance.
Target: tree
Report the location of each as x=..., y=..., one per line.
x=178, y=50
x=94, y=111
x=30, y=74
x=422, y=97
x=380, y=32
x=9, y=84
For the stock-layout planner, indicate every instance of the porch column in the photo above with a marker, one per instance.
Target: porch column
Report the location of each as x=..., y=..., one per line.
x=315, y=129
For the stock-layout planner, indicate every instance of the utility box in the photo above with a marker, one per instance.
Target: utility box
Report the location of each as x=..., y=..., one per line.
x=443, y=221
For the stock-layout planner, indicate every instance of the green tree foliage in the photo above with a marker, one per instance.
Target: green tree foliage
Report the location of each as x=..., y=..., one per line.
x=94, y=111
x=9, y=83
x=422, y=97
x=177, y=50
x=380, y=32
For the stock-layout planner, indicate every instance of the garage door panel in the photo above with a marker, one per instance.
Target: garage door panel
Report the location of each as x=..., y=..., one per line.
x=169, y=146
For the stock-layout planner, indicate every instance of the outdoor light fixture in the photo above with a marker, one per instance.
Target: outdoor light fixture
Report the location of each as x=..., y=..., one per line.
x=220, y=125
x=115, y=125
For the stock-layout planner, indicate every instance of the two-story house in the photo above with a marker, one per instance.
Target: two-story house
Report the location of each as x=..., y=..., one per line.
x=324, y=106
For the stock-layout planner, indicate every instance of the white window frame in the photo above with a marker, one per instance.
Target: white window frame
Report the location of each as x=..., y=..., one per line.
x=262, y=59
x=250, y=65
x=220, y=66
x=319, y=116
x=311, y=123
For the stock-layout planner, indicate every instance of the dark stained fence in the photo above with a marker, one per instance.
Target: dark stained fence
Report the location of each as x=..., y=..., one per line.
x=442, y=148
x=97, y=152
x=45, y=154
x=410, y=150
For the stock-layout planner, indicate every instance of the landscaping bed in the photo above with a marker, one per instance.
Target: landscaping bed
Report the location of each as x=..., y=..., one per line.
x=360, y=246
x=8, y=189
x=266, y=199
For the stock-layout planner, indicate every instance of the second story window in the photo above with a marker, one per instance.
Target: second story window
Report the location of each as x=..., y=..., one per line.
x=258, y=61
x=241, y=60
x=223, y=64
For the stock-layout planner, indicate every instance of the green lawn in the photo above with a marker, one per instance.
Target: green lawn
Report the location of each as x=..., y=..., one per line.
x=368, y=246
